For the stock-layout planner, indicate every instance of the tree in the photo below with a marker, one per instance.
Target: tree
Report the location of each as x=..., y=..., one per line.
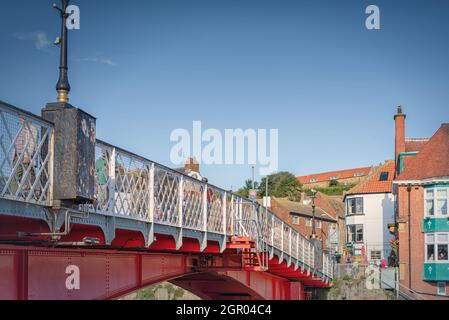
x=149, y=293
x=244, y=191
x=333, y=183
x=282, y=185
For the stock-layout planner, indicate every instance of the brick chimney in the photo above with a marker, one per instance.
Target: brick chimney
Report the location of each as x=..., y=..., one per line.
x=399, y=120
x=192, y=164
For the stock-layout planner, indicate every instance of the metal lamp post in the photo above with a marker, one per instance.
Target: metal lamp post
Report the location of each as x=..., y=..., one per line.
x=313, y=213
x=63, y=86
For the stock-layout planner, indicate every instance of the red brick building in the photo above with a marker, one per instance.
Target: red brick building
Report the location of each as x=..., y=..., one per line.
x=421, y=188
x=299, y=216
x=348, y=176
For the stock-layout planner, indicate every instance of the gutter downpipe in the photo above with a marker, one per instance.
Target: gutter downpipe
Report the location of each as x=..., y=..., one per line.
x=409, y=189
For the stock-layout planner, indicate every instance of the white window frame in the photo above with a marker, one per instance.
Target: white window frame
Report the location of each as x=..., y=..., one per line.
x=377, y=257
x=348, y=206
x=439, y=198
x=355, y=233
x=295, y=220
x=440, y=287
x=308, y=222
x=435, y=198
x=435, y=244
x=319, y=224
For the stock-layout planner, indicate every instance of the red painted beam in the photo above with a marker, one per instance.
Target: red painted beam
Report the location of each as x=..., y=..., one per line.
x=85, y=273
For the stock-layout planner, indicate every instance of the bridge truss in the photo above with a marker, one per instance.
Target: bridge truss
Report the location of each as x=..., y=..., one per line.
x=151, y=212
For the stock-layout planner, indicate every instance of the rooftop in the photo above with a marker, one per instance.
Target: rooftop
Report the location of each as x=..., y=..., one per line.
x=433, y=159
x=338, y=174
x=302, y=209
x=379, y=182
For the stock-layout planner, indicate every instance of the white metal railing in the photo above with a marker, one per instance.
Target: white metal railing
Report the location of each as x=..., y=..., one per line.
x=26, y=156
x=130, y=186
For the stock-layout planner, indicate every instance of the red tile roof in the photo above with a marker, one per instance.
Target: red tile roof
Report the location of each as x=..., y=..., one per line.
x=333, y=205
x=373, y=184
x=433, y=159
x=415, y=144
x=341, y=174
x=303, y=209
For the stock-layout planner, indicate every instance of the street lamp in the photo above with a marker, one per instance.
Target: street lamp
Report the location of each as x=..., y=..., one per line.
x=313, y=213
x=63, y=86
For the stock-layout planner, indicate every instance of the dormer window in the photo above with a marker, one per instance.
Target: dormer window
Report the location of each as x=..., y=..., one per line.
x=383, y=176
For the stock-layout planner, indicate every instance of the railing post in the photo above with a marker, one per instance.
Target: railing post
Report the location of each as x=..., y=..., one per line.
x=180, y=214
x=239, y=220
x=296, y=249
x=282, y=236
x=323, y=265
x=290, y=242
x=223, y=210
x=303, y=251
x=282, y=243
x=297, y=246
x=151, y=206
x=272, y=231
x=224, y=207
x=289, y=261
x=110, y=207
x=313, y=257
x=232, y=214
x=51, y=164
x=204, y=217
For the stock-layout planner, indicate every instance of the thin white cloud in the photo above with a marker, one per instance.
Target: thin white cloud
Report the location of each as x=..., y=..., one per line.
x=106, y=61
x=39, y=38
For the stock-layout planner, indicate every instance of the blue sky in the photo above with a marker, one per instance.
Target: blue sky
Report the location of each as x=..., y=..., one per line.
x=308, y=68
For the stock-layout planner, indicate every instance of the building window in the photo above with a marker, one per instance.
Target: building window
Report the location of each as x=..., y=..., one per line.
x=359, y=174
x=355, y=233
x=436, y=200
x=376, y=255
x=383, y=176
x=441, y=288
x=442, y=202
x=354, y=206
x=308, y=222
x=430, y=247
x=437, y=247
x=295, y=219
x=318, y=224
x=313, y=180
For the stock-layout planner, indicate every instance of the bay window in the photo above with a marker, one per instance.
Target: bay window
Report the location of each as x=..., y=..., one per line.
x=437, y=247
x=435, y=202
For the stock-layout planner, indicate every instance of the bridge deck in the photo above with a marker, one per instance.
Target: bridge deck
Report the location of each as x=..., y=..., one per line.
x=138, y=203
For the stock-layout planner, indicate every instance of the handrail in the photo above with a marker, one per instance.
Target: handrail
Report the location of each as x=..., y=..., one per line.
x=134, y=187
x=26, y=157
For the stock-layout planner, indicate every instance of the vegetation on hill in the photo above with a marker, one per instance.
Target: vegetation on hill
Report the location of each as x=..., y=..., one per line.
x=282, y=185
x=334, y=189
x=150, y=293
